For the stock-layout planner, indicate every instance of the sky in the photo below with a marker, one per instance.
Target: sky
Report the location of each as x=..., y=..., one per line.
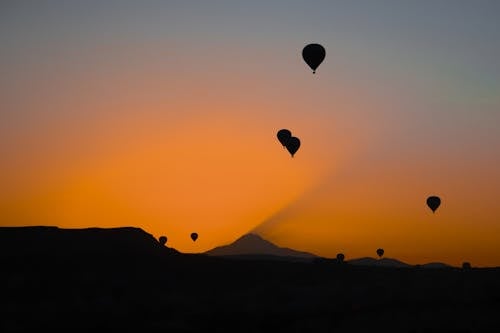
x=163, y=115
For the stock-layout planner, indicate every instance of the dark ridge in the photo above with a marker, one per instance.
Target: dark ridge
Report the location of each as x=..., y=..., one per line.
x=69, y=281
x=58, y=242
x=384, y=262
x=435, y=265
x=253, y=245
x=259, y=257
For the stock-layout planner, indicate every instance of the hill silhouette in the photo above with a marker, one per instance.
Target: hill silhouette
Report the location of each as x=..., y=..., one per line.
x=384, y=262
x=253, y=246
x=122, y=279
x=57, y=242
x=391, y=262
x=435, y=265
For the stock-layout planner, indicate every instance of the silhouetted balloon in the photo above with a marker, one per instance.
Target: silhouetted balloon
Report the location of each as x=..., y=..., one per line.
x=313, y=55
x=466, y=266
x=283, y=136
x=293, y=145
x=380, y=252
x=433, y=202
x=194, y=236
x=340, y=257
x=163, y=240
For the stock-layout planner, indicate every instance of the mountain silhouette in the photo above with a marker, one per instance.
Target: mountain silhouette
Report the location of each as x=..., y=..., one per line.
x=252, y=246
x=58, y=242
x=123, y=279
x=394, y=263
x=435, y=265
x=384, y=262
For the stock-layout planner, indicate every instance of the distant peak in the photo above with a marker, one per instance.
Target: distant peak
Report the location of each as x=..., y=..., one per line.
x=254, y=239
x=252, y=236
x=254, y=244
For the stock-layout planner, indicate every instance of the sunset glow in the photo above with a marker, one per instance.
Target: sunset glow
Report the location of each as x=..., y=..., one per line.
x=165, y=119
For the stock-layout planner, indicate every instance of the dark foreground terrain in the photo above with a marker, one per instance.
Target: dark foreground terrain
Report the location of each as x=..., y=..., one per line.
x=123, y=280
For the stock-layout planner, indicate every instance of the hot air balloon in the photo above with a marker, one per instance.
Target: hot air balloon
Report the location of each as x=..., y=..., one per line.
x=293, y=145
x=313, y=55
x=340, y=257
x=194, y=236
x=283, y=136
x=163, y=240
x=380, y=252
x=466, y=266
x=433, y=202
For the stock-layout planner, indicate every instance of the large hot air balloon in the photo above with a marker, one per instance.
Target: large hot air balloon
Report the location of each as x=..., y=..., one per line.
x=340, y=257
x=283, y=136
x=194, y=236
x=313, y=55
x=380, y=252
x=293, y=145
x=163, y=240
x=433, y=202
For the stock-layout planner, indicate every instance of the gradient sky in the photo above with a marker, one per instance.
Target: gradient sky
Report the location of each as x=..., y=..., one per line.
x=163, y=115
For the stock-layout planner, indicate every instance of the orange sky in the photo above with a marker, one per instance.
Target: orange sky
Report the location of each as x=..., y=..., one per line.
x=140, y=121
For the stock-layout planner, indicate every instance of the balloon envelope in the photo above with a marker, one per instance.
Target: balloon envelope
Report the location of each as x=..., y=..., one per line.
x=380, y=252
x=293, y=145
x=340, y=257
x=313, y=55
x=433, y=202
x=163, y=240
x=194, y=236
x=283, y=136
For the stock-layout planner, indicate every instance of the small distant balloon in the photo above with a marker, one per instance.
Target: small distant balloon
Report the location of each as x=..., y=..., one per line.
x=283, y=136
x=163, y=240
x=293, y=145
x=194, y=236
x=380, y=252
x=340, y=257
x=433, y=202
x=466, y=266
x=313, y=55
